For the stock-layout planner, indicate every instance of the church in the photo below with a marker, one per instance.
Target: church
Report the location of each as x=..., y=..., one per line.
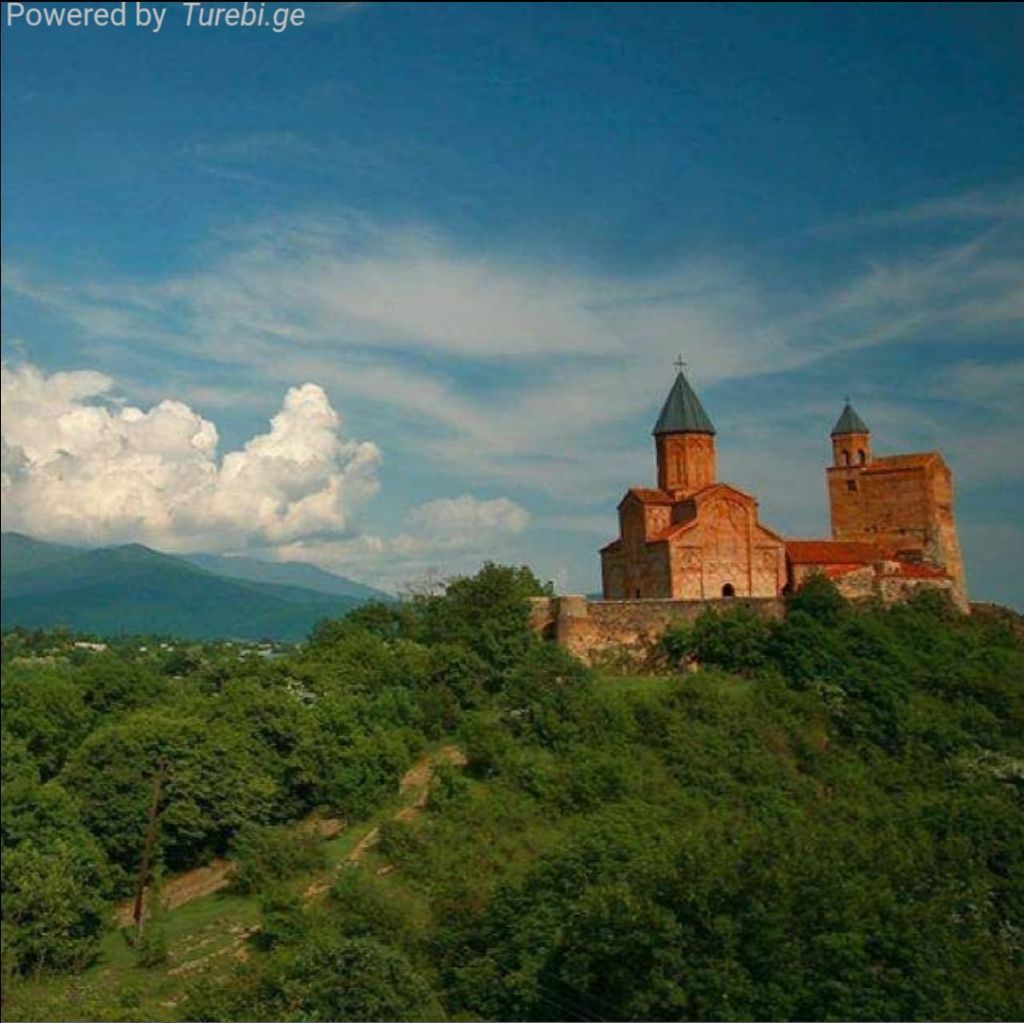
x=694, y=537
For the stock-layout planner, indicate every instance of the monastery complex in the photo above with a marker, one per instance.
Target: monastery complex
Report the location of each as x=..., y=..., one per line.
x=694, y=537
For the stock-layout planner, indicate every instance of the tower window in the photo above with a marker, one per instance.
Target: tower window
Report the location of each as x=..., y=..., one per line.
x=861, y=457
x=851, y=484
x=846, y=458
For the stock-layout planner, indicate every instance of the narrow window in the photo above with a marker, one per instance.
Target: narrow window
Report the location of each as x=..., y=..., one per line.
x=861, y=457
x=851, y=484
x=846, y=458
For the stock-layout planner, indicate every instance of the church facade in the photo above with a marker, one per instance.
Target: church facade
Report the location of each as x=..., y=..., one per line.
x=694, y=537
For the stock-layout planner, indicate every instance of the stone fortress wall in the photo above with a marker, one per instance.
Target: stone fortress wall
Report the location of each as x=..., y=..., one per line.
x=592, y=629
x=630, y=629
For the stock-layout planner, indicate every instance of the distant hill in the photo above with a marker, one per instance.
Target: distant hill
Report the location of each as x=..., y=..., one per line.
x=286, y=573
x=133, y=589
x=21, y=553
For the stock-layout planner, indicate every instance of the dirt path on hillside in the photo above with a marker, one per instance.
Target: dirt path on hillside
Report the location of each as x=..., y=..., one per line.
x=196, y=884
x=415, y=787
x=184, y=888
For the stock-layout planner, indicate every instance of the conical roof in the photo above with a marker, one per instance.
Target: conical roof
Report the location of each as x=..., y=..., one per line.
x=849, y=422
x=682, y=411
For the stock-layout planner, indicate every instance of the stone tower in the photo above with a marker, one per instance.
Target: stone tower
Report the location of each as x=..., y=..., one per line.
x=903, y=504
x=684, y=441
x=851, y=452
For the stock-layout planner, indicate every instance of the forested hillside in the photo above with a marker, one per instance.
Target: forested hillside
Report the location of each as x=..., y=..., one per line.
x=814, y=818
x=131, y=589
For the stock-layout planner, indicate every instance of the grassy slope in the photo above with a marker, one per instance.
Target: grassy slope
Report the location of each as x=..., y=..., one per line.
x=502, y=832
x=204, y=936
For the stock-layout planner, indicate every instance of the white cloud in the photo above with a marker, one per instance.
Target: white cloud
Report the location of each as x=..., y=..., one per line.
x=456, y=533
x=79, y=468
x=76, y=468
x=511, y=373
x=393, y=319
x=465, y=515
x=999, y=205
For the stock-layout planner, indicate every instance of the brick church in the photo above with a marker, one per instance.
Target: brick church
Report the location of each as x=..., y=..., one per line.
x=693, y=537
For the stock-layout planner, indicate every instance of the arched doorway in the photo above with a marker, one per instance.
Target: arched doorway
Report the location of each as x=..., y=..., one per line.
x=728, y=590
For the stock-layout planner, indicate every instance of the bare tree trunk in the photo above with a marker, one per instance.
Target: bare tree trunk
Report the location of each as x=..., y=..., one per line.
x=138, y=913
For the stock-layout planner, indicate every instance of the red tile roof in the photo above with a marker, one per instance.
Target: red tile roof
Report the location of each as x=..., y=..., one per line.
x=836, y=571
x=649, y=495
x=831, y=552
x=672, y=531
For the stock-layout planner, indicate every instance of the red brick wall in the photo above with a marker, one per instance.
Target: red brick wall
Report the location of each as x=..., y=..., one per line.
x=906, y=509
x=686, y=461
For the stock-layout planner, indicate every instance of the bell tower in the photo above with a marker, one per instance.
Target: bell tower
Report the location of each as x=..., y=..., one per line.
x=684, y=440
x=851, y=454
x=851, y=440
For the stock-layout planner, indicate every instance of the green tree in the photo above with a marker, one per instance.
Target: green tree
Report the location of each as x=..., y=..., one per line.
x=44, y=708
x=325, y=977
x=734, y=640
x=488, y=613
x=215, y=786
x=53, y=905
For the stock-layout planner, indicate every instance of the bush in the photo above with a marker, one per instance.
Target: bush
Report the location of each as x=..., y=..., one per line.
x=397, y=840
x=735, y=640
x=325, y=977
x=448, y=787
x=677, y=643
x=283, y=918
x=361, y=907
x=268, y=854
x=53, y=906
x=487, y=745
x=819, y=598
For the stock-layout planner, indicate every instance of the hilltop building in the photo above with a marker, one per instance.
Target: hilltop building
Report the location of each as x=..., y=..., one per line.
x=693, y=537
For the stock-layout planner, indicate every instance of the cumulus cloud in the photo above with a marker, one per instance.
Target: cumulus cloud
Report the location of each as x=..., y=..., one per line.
x=77, y=467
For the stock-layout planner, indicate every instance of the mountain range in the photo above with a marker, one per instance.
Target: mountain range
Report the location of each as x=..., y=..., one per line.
x=132, y=589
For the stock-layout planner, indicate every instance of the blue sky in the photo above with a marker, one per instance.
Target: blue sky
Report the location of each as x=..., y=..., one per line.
x=482, y=233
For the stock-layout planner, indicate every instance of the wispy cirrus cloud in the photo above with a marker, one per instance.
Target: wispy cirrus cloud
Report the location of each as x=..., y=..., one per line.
x=521, y=376
x=999, y=205
x=516, y=366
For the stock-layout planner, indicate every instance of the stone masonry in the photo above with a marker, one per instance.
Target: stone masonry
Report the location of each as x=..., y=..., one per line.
x=694, y=542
